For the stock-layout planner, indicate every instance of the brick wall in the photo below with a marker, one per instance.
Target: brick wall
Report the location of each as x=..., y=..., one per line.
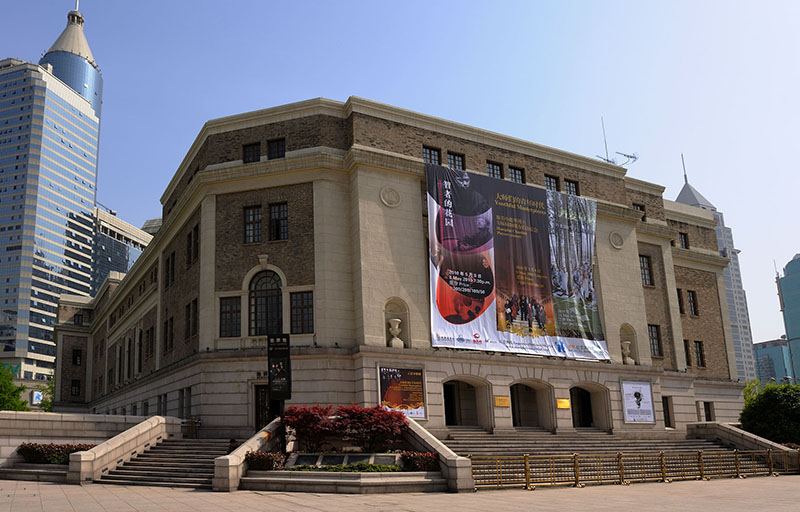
x=295, y=256
x=699, y=237
x=708, y=325
x=70, y=371
x=653, y=204
x=656, y=305
x=178, y=293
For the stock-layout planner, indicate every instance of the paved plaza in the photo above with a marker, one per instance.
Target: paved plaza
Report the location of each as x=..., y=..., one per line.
x=728, y=495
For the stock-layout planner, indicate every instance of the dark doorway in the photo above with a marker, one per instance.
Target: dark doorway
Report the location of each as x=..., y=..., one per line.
x=665, y=403
x=460, y=404
x=581, y=407
x=524, y=407
x=262, y=406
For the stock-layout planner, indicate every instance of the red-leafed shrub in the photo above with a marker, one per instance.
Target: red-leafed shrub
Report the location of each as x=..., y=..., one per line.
x=419, y=461
x=35, y=453
x=265, y=461
x=374, y=429
x=311, y=425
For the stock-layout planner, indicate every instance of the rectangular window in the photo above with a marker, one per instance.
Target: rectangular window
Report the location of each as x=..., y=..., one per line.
x=654, y=333
x=169, y=334
x=431, y=155
x=252, y=224
x=680, y=301
x=571, y=187
x=666, y=405
x=251, y=152
x=551, y=182
x=139, y=355
x=516, y=174
x=195, y=320
x=687, y=352
x=151, y=341
x=684, y=239
x=187, y=324
x=279, y=221
x=78, y=319
x=302, y=312
x=75, y=388
x=699, y=354
x=189, y=245
x=145, y=408
x=692, y=299
x=455, y=161
x=230, y=317
x=196, y=242
x=647, y=270
x=494, y=170
x=76, y=356
x=276, y=148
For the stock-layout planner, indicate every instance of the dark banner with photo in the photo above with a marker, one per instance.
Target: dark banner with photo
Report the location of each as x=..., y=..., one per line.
x=511, y=267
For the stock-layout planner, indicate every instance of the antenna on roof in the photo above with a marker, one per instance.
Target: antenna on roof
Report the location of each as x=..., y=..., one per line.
x=685, y=178
x=776, y=269
x=631, y=158
x=76, y=4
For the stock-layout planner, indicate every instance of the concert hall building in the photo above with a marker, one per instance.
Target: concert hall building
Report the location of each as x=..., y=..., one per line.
x=333, y=222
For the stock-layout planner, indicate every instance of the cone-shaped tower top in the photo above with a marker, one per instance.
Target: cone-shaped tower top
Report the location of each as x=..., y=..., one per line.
x=73, y=62
x=689, y=195
x=72, y=39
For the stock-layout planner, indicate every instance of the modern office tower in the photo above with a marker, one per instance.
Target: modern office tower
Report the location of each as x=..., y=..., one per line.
x=49, y=126
x=773, y=360
x=117, y=244
x=734, y=292
x=789, y=294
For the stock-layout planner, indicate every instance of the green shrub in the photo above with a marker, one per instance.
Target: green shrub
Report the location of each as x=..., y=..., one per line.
x=360, y=467
x=35, y=453
x=265, y=461
x=420, y=461
x=774, y=413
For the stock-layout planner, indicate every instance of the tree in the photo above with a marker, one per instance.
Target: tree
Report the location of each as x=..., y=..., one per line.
x=774, y=413
x=751, y=390
x=48, y=392
x=10, y=393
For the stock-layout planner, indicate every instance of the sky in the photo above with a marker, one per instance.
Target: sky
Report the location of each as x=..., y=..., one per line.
x=716, y=81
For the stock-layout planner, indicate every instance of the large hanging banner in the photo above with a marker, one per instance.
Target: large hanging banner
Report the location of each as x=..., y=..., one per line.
x=511, y=267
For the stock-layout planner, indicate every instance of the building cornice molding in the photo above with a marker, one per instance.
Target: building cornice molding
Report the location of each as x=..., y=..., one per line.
x=619, y=212
x=699, y=259
x=644, y=186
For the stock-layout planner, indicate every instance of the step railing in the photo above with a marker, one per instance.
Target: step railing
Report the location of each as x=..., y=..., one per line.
x=528, y=471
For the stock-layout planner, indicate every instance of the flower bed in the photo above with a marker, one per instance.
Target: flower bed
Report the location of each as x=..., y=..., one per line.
x=36, y=453
x=359, y=467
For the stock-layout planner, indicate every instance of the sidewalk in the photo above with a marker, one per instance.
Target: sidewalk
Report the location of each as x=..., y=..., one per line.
x=729, y=495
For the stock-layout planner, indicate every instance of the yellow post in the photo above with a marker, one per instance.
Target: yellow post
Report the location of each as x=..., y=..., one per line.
x=738, y=464
x=527, y=473
x=620, y=468
x=576, y=468
x=701, y=465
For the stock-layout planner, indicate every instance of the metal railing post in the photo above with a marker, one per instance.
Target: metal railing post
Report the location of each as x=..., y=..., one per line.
x=663, y=467
x=527, y=473
x=576, y=468
x=499, y=473
x=738, y=463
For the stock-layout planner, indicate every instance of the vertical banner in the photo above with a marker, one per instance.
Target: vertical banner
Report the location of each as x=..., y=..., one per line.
x=511, y=267
x=280, y=367
x=637, y=400
x=402, y=389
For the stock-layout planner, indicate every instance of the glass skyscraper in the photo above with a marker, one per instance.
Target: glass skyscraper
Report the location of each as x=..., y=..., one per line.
x=49, y=128
x=117, y=245
x=789, y=293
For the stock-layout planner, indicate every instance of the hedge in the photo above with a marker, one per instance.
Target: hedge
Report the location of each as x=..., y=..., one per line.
x=36, y=453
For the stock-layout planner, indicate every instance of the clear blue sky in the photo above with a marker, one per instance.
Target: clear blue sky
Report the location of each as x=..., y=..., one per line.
x=717, y=81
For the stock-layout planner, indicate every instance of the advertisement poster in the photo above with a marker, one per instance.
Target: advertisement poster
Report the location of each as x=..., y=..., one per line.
x=637, y=399
x=280, y=368
x=402, y=389
x=511, y=267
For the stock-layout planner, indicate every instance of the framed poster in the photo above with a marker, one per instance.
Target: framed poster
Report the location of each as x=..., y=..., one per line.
x=402, y=389
x=637, y=402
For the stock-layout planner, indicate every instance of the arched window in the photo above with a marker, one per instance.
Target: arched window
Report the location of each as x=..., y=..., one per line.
x=266, y=308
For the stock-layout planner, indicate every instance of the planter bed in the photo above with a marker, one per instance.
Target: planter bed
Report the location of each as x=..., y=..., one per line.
x=344, y=482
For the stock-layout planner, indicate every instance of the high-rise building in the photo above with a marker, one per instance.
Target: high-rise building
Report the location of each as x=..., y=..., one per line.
x=117, y=244
x=49, y=127
x=734, y=292
x=773, y=361
x=789, y=294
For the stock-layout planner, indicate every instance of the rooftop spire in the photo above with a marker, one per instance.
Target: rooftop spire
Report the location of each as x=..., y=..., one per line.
x=685, y=178
x=72, y=39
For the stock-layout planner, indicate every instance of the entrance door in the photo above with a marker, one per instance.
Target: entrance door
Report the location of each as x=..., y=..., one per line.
x=451, y=404
x=262, y=406
x=581, y=407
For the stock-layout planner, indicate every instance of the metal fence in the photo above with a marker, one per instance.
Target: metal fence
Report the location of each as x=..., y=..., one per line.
x=528, y=471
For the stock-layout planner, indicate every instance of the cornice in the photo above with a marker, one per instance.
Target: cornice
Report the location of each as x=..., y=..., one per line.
x=656, y=230
x=616, y=211
x=644, y=186
x=698, y=258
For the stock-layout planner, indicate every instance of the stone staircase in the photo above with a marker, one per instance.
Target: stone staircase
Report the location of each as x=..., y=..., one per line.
x=587, y=441
x=172, y=463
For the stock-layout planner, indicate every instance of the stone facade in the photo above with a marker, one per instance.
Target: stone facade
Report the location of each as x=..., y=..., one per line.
x=360, y=258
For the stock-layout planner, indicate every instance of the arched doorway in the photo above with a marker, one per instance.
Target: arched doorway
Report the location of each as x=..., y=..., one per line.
x=466, y=403
x=532, y=405
x=590, y=406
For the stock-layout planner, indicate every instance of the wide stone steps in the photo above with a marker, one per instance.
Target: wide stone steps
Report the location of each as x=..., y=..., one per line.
x=183, y=463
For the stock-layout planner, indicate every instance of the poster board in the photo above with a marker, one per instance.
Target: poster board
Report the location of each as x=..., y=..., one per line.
x=402, y=389
x=637, y=402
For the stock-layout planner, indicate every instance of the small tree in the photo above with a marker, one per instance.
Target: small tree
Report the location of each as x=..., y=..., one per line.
x=311, y=425
x=48, y=391
x=10, y=393
x=774, y=413
x=751, y=389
